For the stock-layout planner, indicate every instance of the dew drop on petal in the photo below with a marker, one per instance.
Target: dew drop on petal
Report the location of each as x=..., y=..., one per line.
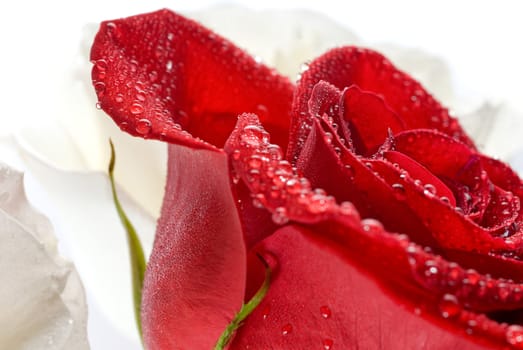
x=119, y=98
x=325, y=311
x=143, y=126
x=327, y=344
x=514, y=336
x=399, y=191
x=449, y=306
x=429, y=190
x=265, y=312
x=169, y=66
x=371, y=225
x=286, y=329
x=280, y=216
x=136, y=108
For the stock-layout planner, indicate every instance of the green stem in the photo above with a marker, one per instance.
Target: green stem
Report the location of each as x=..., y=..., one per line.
x=246, y=309
x=135, y=248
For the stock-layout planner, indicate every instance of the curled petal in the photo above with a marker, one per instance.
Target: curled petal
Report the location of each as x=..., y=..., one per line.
x=370, y=71
x=159, y=73
x=195, y=279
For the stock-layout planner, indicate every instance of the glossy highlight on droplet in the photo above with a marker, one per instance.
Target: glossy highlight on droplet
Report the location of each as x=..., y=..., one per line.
x=327, y=344
x=449, y=306
x=325, y=312
x=143, y=126
x=514, y=336
x=286, y=329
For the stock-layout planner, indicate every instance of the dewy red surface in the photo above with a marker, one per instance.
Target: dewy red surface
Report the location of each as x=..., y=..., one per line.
x=384, y=226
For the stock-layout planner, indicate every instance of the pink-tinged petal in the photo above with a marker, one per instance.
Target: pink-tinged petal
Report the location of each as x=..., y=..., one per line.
x=370, y=119
x=195, y=278
x=342, y=295
x=370, y=71
x=158, y=73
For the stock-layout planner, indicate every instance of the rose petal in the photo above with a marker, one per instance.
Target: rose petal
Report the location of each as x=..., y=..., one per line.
x=349, y=178
x=42, y=298
x=322, y=296
x=370, y=71
x=325, y=104
x=159, y=72
x=337, y=229
x=370, y=119
x=195, y=278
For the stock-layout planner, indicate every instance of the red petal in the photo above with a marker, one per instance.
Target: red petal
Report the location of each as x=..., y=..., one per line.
x=325, y=103
x=157, y=71
x=195, y=279
x=419, y=172
x=306, y=281
x=370, y=71
x=370, y=119
x=504, y=177
x=324, y=295
x=349, y=178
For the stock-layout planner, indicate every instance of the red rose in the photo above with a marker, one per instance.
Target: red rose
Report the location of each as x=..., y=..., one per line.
x=384, y=226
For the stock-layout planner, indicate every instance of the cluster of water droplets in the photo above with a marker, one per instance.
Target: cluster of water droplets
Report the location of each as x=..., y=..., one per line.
x=455, y=283
x=274, y=182
x=325, y=313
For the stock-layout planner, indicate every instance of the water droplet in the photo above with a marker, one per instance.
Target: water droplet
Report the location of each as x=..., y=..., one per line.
x=236, y=154
x=136, y=108
x=371, y=225
x=101, y=64
x=429, y=190
x=265, y=312
x=100, y=89
x=98, y=105
x=169, y=66
x=279, y=216
x=327, y=344
x=119, y=98
x=143, y=126
x=304, y=67
x=257, y=201
x=328, y=137
x=325, y=311
x=286, y=329
x=449, y=306
x=514, y=336
x=399, y=191
x=445, y=200
x=170, y=36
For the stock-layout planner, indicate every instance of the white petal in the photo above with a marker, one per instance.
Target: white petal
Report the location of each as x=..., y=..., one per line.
x=42, y=299
x=97, y=241
x=282, y=39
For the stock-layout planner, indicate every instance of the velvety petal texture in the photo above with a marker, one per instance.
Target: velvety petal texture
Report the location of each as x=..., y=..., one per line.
x=195, y=280
x=383, y=224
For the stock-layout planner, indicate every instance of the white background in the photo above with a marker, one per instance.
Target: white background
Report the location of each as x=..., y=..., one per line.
x=480, y=40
